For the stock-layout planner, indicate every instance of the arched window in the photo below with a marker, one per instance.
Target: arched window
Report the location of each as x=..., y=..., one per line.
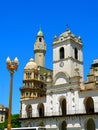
x=76, y=53
x=63, y=126
x=28, y=75
x=89, y=105
x=90, y=125
x=41, y=110
x=63, y=106
x=62, y=53
x=29, y=111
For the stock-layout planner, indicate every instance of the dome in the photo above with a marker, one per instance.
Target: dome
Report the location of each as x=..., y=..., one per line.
x=40, y=33
x=1, y=106
x=31, y=64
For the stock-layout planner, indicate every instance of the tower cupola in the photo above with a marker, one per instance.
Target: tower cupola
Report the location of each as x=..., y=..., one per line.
x=40, y=33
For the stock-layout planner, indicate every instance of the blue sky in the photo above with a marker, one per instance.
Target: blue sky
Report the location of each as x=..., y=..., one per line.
x=20, y=20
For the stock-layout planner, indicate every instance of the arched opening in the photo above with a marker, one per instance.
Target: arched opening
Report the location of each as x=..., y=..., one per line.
x=40, y=39
x=90, y=125
x=62, y=53
x=63, y=126
x=63, y=106
x=41, y=110
x=29, y=111
x=76, y=53
x=89, y=105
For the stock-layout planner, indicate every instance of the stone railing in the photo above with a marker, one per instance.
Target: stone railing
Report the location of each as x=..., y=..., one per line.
x=47, y=114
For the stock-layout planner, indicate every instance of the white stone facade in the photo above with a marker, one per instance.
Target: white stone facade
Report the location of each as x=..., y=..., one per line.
x=67, y=103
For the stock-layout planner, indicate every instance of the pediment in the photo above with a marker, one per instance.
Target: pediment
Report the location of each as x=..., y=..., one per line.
x=61, y=78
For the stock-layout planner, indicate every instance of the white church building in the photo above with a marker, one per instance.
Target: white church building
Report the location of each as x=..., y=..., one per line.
x=59, y=99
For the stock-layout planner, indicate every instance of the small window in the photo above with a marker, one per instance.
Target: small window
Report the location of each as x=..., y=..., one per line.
x=41, y=85
x=40, y=39
x=2, y=118
x=39, y=55
x=27, y=94
x=62, y=53
x=30, y=94
x=28, y=75
x=96, y=78
x=76, y=53
x=36, y=76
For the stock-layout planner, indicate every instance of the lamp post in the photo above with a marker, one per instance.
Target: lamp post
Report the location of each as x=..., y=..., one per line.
x=11, y=66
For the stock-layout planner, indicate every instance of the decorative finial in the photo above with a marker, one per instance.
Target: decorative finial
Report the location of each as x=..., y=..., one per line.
x=67, y=27
x=40, y=33
x=40, y=27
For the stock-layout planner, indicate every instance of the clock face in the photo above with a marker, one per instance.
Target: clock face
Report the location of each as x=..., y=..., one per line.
x=40, y=46
x=61, y=64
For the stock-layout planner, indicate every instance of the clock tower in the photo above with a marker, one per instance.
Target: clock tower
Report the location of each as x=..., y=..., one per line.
x=40, y=49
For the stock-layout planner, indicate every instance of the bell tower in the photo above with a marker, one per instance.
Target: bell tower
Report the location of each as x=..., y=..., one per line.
x=40, y=49
x=67, y=56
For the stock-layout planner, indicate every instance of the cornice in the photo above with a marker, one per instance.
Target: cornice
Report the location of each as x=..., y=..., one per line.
x=65, y=59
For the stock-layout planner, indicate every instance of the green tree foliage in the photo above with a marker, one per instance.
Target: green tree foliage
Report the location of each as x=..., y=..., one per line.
x=14, y=122
x=3, y=125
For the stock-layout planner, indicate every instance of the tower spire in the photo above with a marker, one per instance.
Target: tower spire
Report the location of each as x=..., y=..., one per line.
x=40, y=27
x=40, y=33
